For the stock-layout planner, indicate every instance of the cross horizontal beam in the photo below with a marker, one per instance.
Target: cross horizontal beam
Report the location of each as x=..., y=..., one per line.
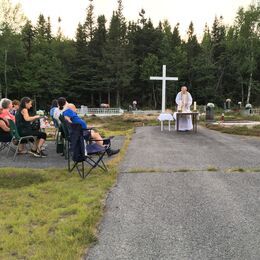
x=163, y=78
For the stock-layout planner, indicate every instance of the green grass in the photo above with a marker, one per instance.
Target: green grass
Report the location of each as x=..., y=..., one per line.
x=51, y=214
x=145, y=170
x=237, y=130
x=212, y=169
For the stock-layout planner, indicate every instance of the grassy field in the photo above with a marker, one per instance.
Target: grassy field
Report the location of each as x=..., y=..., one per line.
x=238, y=130
x=51, y=214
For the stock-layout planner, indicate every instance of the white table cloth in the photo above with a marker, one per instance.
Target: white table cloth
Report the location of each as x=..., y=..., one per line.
x=165, y=117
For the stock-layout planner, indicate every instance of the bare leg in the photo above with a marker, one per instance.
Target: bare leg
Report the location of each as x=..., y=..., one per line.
x=97, y=138
x=21, y=147
x=35, y=145
x=40, y=143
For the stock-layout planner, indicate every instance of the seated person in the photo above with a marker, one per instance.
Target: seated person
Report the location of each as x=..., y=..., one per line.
x=61, y=108
x=54, y=107
x=6, y=114
x=16, y=105
x=71, y=116
x=5, y=135
x=6, y=105
x=24, y=126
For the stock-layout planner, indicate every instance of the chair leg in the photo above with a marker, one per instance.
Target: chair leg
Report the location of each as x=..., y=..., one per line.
x=3, y=146
x=9, y=148
x=65, y=149
x=56, y=135
x=96, y=163
x=69, y=162
x=81, y=171
x=16, y=150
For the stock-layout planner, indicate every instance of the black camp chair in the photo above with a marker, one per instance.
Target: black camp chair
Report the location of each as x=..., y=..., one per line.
x=83, y=150
x=64, y=136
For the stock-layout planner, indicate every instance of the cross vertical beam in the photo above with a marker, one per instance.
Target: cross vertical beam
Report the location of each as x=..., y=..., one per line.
x=164, y=79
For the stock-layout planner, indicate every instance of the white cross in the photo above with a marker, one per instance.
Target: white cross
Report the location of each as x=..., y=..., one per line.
x=163, y=78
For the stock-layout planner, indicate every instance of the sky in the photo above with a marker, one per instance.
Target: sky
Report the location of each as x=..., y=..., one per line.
x=72, y=12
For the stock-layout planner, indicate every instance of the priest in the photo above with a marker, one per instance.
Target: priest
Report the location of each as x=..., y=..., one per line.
x=184, y=101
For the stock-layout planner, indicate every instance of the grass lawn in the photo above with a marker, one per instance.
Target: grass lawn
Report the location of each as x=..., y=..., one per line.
x=51, y=214
x=237, y=130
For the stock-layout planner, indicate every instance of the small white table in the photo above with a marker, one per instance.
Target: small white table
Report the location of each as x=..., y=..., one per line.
x=165, y=117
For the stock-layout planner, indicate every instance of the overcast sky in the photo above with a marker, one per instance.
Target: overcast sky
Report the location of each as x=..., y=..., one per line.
x=183, y=11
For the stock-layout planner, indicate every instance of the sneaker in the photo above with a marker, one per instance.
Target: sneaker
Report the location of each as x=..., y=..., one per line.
x=43, y=153
x=111, y=152
x=32, y=151
x=37, y=154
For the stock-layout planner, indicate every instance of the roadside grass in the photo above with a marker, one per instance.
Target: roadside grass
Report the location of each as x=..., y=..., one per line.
x=236, y=130
x=121, y=123
x=51, y=214
x=212, y=169
x=234, y=117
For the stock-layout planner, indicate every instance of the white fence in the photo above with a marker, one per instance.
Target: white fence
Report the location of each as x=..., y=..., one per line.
x=84, y=110
x=256, y=111
x=146, y=112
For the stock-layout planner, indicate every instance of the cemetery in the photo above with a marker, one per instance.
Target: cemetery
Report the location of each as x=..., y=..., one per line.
x=129, y=139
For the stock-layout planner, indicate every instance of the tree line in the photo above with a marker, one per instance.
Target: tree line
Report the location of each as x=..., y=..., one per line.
x=112, y=62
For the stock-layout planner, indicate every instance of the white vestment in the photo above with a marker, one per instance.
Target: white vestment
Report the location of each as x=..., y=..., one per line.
x=184, y=102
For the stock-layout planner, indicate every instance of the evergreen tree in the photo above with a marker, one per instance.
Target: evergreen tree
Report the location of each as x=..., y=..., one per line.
x=192, y=50
x=28, y=38
x=117, y=56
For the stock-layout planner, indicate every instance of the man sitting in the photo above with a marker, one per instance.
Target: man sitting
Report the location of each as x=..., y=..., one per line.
x=71, y=116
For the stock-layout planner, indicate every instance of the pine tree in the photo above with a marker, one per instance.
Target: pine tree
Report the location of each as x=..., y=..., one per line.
x=28, y=38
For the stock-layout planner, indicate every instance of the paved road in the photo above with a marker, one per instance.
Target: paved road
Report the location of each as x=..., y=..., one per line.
x=183, y=215
x=53, y=160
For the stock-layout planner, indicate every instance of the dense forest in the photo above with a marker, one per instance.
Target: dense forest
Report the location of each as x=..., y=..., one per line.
x=111, y=61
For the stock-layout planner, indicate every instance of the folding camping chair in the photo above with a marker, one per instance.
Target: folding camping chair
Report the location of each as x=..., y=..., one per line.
x=66, y=136
x=16, y=138
x=3, y=145
x=83, y=150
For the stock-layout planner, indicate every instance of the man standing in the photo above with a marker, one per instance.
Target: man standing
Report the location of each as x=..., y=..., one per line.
x=184, y=101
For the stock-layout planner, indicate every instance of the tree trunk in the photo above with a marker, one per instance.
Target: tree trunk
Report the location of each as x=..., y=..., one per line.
x=5, y=74
x=242, y=92
x=117, y=98
x=220, y=79
x=92, y=99
x=99, y=98
x=35, y=103
x=250, y=83
x=154, y=97
x=249, y=88
x=108, y=97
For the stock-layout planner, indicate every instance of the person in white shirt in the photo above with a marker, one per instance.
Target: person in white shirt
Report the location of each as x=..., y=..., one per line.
x=184, y=101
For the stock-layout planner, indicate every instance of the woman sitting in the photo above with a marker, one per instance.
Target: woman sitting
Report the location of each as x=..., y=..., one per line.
x=24, y=126
x=5, y=135
x=6, y=105
x=71, y=115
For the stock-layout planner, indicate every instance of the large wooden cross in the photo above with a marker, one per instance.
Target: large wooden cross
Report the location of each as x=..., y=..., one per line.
x=164, y=79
